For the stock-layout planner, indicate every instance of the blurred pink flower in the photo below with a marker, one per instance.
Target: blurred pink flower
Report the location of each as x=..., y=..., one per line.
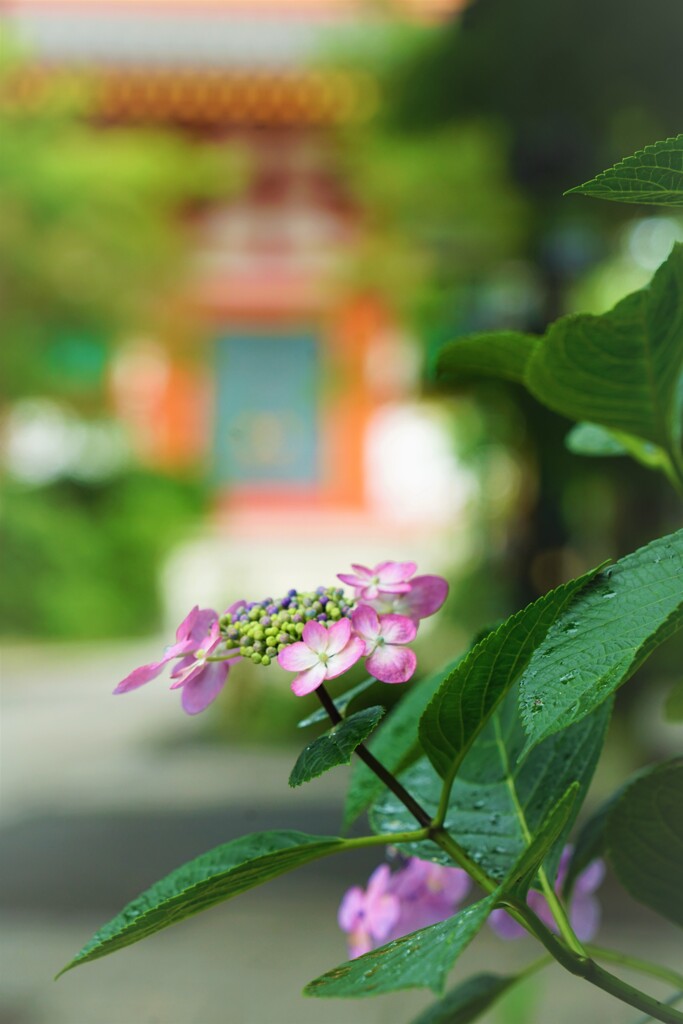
x=396, y=903
x=383, y=638
x=323, y=653
x=385, y=578
x=368, y=915
x=584, y=908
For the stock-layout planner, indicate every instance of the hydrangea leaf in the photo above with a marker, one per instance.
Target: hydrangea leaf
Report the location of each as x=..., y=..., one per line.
x=419, y=960
x=209, y=879
x=594, y=441
x=503, y=354
x=621, y=616
x=620, y=370
x=644, y=839
x=341, y=703
x=498, y=802
x=469, y=695
x=335, y=747
x=424, y=958
x=396, y=744
x=653, y=175
x=468, y=1000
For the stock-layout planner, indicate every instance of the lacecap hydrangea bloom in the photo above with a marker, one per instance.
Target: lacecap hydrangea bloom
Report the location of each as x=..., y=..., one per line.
x=317, y=634
x=414, y=895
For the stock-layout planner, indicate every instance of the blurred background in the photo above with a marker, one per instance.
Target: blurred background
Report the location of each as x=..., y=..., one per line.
x=233, y=236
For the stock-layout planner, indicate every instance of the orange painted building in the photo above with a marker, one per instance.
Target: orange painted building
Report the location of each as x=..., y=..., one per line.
x=298, y=370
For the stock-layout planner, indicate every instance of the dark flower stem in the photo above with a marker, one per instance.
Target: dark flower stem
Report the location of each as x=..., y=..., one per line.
x=376, y=766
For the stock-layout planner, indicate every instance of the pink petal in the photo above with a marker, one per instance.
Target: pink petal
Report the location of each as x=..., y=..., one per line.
x=391, y=664
x=359, y=943
x=590, y=879
x=338, y=635
x=363, y=572
x=181, y=665
x=297, y=657
x=379, y=882
x=315, y=635
x=386, y=588
x=206, y=621
x=427, y=594
x=397, y=629
x=351, y=909
x=585, y=917
x=309, y=680
x=185, y=628
x=504, y=925
x=140, y=676
x=351, y=581
x=365, y=622
x=200, y=691
x=347, y=657
x=382, y=916
x=394, y=572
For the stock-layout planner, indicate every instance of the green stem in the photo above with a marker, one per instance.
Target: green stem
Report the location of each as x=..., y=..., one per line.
x=584, y=967
x=552, y=899
x=636, y=964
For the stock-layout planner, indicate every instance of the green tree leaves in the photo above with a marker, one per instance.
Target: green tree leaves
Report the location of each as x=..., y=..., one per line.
x=653, y=175
x=205, y=881
x=620, y=370
x=335, y=747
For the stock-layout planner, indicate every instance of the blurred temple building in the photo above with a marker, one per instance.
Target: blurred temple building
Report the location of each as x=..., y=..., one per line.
x=303, y=405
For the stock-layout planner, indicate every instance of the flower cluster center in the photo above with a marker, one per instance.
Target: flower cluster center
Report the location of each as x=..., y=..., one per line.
x=260, y=630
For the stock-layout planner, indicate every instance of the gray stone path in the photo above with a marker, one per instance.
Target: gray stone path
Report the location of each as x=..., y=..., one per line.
x=96, y=803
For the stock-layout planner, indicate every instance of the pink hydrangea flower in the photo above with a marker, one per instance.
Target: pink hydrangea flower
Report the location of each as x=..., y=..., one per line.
x=368, y=915
x=201, y=679
x=189, y=636
x=384, y=638
x=425, y=597
x=385, y=578
x=396, y=903
x=584, y=908
x=323, y=653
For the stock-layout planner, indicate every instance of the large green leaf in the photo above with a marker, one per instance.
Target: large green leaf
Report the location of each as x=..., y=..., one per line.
x=335, y=747
x=613, y=625
x=503, y=354
x=468, y=1000
x=423, y=958
x=469, y=695
x=653, y=175
x=396, y=744
x=419, y=960
x=644, y=839
x=213, y=877
x=499, y=802
x=620, y=370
